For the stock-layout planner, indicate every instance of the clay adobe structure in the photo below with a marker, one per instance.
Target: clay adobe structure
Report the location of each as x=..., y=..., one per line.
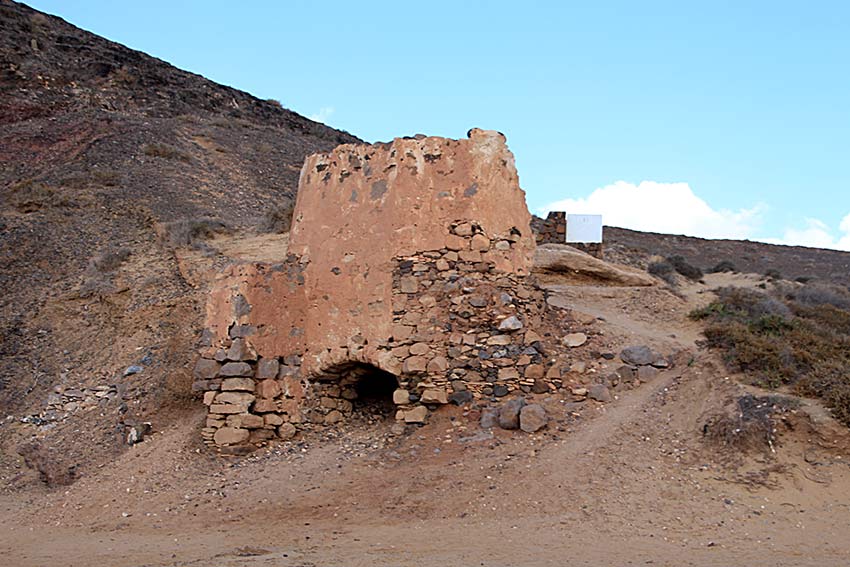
x=408, y=271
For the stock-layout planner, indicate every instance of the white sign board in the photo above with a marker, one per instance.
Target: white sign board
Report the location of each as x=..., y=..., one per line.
x=584, y=228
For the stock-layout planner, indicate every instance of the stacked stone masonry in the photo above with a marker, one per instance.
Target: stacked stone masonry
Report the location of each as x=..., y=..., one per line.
x=410, y=259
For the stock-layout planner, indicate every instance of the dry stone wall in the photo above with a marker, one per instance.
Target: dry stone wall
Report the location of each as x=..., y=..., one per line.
x=409, y=262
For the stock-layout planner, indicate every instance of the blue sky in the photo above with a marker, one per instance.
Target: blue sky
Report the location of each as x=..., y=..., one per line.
x=718, y=119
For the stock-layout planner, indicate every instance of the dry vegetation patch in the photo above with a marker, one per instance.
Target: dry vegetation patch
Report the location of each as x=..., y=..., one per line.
x=798, y=338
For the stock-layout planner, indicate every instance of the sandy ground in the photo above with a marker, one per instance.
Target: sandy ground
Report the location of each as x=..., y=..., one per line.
x=626, y=483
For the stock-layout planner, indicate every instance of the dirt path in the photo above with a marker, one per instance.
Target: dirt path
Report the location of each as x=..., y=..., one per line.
x=627, y=483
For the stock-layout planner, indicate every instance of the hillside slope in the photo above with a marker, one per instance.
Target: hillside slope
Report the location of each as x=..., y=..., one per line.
x=747, y=256
x=101, y=147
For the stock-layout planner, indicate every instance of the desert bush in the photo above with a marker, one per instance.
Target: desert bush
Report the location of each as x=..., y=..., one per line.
x=804, y=346
x=192, y=232
x=823, y=294
x=773, y=274
x=102, y=177
x=664, y=270
x=683, y=267
x=109, y=260
x=724, y=266
x=274, y=102
x=164, y=151
x=278, y=217
x=28, y=196
x=743, y=305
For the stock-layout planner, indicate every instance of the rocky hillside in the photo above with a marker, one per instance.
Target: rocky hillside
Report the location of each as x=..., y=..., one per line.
x=109, y=161
x=756, y=257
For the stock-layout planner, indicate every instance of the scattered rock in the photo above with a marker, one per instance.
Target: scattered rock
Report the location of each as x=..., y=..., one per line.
x=136, y=433
x=599, y=392
x=489, y=418
x=638, y=355
x=500, y=390
x=532, y=417
x=509, y=413
x=134, y=369
x=574, y=340
x=460, y=398
x=647, y=373
x=512, y=323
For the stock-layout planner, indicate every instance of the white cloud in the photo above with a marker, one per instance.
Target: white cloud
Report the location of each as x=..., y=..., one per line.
x=817, y=234
x=322, y=116
x=670, y=208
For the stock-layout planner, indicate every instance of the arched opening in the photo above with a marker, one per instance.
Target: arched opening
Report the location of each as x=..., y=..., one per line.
x=368, y=388
x=374, y=388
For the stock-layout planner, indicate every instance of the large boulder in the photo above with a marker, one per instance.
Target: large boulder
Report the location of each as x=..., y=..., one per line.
x=564, y=259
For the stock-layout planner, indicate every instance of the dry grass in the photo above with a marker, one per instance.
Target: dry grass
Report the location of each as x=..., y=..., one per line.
x=751, y=426
x=165, y=151
x=193, y=232
x=784, y=342
x=685, y=268
x=278, y=218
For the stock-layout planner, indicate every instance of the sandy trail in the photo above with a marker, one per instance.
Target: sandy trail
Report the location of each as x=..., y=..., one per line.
x=627, y=483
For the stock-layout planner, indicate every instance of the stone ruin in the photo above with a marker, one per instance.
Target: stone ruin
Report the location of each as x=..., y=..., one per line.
x=553, y=230
x=408, y=277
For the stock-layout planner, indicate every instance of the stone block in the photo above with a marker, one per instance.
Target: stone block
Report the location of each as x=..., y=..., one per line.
x=232, y=369
x=414, y=364
x=272, y=419
x=268, y=389
x=534, y=371
x=267, y=368
x=480, y=243
x=419, y=349
x=401, y=397
x=231, y=436
x=206, y=369
x=508, y=373
x=238, y=384
x=434, y=396
x=438, y=364
x=240, y=350
x=226, y=408
x=286, y=431
x=237, y=398
x=264, y=405
x=416, y=415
